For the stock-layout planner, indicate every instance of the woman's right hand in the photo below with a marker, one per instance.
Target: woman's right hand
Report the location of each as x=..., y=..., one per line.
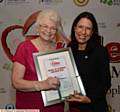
x=51, y=83
x=76, y=97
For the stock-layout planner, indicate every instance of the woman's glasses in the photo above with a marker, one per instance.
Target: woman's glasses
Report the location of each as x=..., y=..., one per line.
x=45, y=27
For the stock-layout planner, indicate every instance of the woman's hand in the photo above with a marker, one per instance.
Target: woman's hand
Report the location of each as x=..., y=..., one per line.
x=76, y=97
x=51, y=83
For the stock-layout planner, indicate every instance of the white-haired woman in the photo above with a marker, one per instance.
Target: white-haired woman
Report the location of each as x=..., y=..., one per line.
x=24, y=76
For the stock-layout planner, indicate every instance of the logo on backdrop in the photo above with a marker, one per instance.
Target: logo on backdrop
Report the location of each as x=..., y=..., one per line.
x=110, y=2
x=81, y=2
x=114, y=51
x=29, y=22
x=10, y=106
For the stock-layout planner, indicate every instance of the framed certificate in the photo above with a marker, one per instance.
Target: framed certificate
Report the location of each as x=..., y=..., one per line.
x=60, y=64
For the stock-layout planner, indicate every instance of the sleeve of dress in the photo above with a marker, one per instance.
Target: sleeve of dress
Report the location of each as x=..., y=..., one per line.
x=20, y=54
x=105, y=78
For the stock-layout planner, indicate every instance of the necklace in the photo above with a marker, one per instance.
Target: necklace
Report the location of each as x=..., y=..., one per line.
x=44, y=46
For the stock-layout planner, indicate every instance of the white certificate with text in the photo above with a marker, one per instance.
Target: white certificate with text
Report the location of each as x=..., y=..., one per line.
x=59, y=64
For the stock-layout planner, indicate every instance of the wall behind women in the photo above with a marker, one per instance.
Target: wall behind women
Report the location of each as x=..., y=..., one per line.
x=14, y=18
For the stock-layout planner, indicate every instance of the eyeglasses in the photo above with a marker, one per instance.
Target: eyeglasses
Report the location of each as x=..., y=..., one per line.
x=45, y=27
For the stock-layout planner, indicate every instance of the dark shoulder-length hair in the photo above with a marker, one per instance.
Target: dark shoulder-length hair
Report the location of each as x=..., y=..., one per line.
x=95, y=38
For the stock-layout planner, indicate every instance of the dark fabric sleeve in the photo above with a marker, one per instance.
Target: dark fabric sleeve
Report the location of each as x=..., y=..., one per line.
x=104, y=84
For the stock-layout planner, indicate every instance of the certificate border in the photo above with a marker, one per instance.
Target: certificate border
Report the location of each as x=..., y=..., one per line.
x=41, y=77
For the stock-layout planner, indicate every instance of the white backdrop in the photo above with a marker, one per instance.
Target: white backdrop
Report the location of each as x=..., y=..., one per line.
x=16, y=12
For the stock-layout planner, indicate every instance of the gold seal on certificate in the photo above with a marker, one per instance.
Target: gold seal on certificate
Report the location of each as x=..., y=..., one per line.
x=60, y=64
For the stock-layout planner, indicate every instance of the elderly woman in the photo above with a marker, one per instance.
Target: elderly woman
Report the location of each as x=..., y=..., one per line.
x=24, y=76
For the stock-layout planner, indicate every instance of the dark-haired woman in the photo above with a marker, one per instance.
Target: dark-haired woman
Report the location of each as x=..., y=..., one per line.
x=92, y=61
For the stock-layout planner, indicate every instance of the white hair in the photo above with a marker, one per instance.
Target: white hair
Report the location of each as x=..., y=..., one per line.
x=50, y=14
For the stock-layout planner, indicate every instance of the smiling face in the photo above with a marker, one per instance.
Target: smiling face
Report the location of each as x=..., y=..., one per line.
x=83, y=31
x=47, y=29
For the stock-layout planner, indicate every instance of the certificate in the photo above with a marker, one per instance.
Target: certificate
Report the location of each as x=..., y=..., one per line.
x=60, y=64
